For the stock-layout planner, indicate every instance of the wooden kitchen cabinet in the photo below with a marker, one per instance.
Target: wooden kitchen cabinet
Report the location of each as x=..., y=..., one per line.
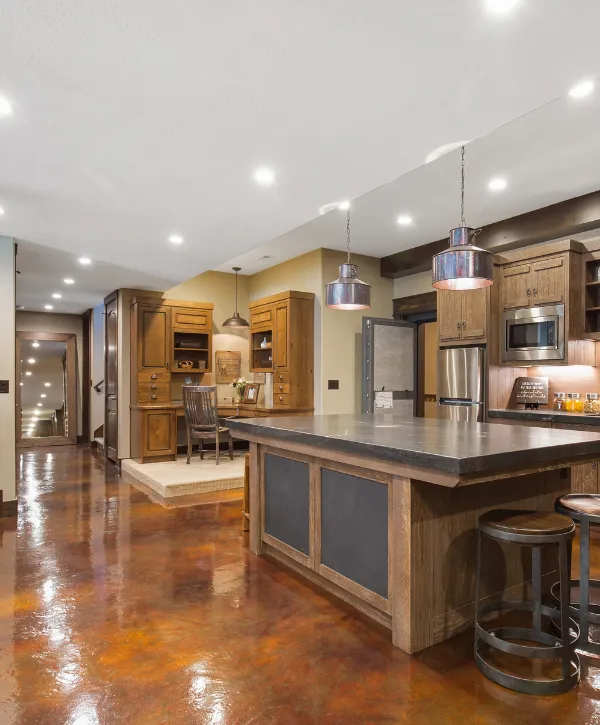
x=462, y=315
x=535, y=283
x=153, y=326
x=284, y=324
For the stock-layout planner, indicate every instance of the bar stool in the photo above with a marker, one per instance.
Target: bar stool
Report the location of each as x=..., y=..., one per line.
x=584, y=509
x=534, y=529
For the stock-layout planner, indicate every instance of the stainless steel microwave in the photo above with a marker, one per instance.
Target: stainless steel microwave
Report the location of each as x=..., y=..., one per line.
x=533, y=334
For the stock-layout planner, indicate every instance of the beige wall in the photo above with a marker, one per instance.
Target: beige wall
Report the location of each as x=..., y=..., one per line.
x=67, y=324
x=342, y=333
x=219, y=288
x=415, y=284
x=7, y=368
x=302, y=274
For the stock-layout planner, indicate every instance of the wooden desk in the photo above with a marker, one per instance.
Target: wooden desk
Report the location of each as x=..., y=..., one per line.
x=154, y=427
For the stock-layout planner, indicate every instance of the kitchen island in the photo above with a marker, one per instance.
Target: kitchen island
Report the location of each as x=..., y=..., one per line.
x=382, y=511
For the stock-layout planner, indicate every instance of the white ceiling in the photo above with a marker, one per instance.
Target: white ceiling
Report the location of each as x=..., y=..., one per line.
x=136, y=120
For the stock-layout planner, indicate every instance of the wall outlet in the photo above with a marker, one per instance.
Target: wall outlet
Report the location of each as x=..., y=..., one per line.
x=333, y=385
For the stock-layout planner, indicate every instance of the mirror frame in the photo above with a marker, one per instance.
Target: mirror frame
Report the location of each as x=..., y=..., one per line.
x=71, y=361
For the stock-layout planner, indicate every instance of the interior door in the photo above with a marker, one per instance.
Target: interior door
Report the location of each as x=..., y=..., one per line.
x=548, y=281
x=516, y=286
x=389, y=366
x=449, y=314
x=111, y=368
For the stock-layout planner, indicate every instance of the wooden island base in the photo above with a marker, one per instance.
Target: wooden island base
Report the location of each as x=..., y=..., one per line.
x=399, y=548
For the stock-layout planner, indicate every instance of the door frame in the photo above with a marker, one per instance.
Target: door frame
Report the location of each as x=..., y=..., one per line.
x=112, y=297
x=71, y=361
x=368, y=345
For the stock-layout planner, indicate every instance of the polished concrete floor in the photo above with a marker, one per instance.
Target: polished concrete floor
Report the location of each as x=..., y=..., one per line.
x=114, y=609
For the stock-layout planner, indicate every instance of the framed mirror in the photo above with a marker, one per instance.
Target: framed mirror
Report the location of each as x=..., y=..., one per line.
x=46, y=396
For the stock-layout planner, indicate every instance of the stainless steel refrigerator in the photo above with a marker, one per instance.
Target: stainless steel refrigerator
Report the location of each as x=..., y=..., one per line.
x=460, y=382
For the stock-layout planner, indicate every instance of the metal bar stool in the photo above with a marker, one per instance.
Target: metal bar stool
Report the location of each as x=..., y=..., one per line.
x=584, y=509
x=534, y=529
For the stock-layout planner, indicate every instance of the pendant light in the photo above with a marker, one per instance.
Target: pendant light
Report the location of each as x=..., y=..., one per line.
x=348, y=292
x=463, y=265
x=236, y=320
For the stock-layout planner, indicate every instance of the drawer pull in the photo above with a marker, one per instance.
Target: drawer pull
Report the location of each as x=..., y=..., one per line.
x=153, y=397
x=154, y=377
x=281, y=388
x=280, y=399
x=281, y=378
x=153, y=387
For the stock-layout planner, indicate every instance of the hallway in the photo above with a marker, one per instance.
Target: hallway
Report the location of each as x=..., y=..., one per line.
x=114, y=609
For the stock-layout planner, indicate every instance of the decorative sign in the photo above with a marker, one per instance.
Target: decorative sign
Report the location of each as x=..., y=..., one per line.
x=384, y=399
x=228, y=366
x=532, y=390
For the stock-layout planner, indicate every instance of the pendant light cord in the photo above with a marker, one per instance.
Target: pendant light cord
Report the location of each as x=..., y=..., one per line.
x=462, y=187
x=236, y=310
x=348, y=234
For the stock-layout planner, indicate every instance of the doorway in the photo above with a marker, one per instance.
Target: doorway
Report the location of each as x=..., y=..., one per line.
x=46, y=396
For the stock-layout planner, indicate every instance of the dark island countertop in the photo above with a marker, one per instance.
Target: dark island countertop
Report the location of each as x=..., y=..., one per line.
x=460, y=449
x=545, y=416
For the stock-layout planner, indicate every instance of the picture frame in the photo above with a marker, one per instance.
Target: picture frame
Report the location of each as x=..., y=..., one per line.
x=251, y=393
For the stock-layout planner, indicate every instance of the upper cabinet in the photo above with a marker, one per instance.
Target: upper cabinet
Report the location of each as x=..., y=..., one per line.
x=153, y=324
x=281, y=342
x=462, y=316
x=534, y=283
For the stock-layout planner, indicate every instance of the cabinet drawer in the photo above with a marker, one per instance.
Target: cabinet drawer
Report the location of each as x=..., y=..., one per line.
x=281, y=377
x=157, y=378
x=154, y=392
x=279, y=388
x=190, y=319
x=281, y=400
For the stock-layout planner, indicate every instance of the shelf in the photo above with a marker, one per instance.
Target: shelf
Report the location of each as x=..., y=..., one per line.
x=261, y=370
x=592, y=309
x=592, y=284
x=192, y=349
x=262, y=349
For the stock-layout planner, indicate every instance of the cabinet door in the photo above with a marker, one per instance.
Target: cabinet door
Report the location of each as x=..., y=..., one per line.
x=474, y=314
x=516, y=286
x=185, y=319
x=548, y=281
x=154, y=327
x=261, y=317
x=281, y=335
x=449, y=314
x=159, y=433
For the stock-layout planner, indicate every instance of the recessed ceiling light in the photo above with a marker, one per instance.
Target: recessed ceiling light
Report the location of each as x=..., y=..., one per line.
x=344, y=205
x=56, y=295
x=28, y=372
x=48, y=307
x=84, y=260
x=20, y=383
x=1, y=211
x=176, y=239
x=47, y=385
x=264, y=176
x=6, y=108
x=68, y=280
x=31, y=360
x=501, y=6
x=404, y=220
x=497, y=184
x=43, y=395
x=39, y=405
x=35, y=344
x=581, y=90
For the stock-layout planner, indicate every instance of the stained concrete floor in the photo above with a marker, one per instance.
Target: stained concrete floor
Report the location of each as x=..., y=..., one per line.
x=114, y=609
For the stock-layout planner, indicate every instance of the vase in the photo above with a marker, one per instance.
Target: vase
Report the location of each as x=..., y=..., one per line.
x=239, y=398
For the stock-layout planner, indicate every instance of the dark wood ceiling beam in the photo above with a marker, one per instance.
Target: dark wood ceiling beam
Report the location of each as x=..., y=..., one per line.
x=551, y=222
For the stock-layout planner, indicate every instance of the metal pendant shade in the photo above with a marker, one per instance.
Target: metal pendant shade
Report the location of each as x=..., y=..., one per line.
x=348, y=292
x=463, y=266
x=235, y=320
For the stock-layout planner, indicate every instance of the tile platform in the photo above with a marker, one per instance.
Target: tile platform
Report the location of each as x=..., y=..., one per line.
x=176, y=478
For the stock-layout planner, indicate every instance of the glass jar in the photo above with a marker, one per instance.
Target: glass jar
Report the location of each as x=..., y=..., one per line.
x=592, y=403
x=574, y=403
x=559, y=401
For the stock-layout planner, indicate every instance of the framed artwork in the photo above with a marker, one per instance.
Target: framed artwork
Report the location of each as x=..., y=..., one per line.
x=251, y=392
x=228, y=366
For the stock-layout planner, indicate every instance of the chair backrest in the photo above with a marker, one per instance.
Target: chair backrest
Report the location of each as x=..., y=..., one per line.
x=200, y=406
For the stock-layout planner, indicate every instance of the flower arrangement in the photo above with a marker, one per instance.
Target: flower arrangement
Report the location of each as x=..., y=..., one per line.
x=240, y=386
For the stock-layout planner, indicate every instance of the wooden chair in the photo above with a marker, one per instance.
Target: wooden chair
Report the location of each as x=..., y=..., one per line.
x=202, y=418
